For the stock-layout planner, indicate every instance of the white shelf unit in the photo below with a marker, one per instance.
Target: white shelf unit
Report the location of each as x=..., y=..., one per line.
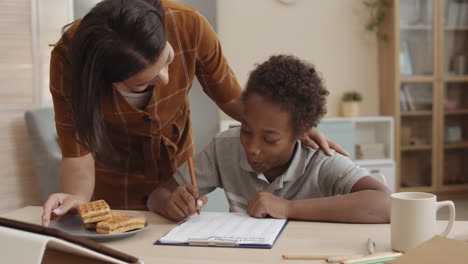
x=349, y=132
x=352, y=131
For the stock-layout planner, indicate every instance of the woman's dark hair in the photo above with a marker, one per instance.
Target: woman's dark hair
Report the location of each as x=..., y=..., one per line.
x=114, y=41
x=292, y=84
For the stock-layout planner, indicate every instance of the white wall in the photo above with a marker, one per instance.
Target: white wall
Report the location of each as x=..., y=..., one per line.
x=328, y=33
x=204, y=112
x=82, y=7
x=52, y=15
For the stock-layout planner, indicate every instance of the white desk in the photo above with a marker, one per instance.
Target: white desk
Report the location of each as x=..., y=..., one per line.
x=297, y=238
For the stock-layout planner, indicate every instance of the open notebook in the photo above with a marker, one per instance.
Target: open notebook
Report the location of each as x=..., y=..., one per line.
x=225, y=230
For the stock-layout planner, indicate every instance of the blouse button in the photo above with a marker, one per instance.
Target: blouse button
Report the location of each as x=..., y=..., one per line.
x=147, y=118
x=144, y=199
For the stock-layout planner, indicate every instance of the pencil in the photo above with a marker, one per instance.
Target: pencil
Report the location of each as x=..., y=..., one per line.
x=192, y=177
x=306, y=257
x=330, y=258
x=338, y=259
x=382, y=257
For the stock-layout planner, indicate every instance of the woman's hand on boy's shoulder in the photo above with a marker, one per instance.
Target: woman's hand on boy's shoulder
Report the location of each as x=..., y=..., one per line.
x=316, y=139
x=184, y=202
x=265, y=204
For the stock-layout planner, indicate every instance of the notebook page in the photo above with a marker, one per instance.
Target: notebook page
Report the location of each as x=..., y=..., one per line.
x=214, y=226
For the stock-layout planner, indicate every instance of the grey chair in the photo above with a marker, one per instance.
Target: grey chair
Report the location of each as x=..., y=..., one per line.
x=45, y=149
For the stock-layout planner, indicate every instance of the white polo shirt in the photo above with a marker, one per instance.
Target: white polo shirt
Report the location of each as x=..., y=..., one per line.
x=311, y=174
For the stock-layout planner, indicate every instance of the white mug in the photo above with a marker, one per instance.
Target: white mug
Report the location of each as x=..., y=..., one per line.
x=413, y=219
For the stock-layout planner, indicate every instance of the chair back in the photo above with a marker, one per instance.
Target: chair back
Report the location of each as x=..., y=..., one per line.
x=47, y=155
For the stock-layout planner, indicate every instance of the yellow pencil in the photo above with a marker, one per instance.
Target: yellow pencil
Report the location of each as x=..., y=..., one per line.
x=192, y=177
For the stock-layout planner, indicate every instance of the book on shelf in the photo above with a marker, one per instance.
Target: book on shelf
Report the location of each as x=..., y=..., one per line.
x=404, y=105
x=409, y=97
x=456, y=15
x=418, y=96
x=450, y=46
x=403, y=102
x=406, y=64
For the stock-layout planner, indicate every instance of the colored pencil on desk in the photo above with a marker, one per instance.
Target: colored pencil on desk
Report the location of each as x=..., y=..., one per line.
x=328, y=258
x=306, y=257
x=338, y=259
x=374, y=258
x=192, y=177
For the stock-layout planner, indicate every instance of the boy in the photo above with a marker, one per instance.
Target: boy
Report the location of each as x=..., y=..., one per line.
x=264, y=168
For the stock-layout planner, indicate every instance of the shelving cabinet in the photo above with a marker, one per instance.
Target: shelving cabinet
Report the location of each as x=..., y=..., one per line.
x=423, y=68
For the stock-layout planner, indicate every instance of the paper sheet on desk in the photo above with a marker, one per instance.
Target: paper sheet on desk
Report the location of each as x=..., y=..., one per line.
x=238, y=227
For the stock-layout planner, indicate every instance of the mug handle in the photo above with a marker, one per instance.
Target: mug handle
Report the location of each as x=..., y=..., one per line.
x=451, y=207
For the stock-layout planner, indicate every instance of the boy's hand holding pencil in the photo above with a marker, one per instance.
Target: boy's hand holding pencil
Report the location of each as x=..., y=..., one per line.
x=184, y=202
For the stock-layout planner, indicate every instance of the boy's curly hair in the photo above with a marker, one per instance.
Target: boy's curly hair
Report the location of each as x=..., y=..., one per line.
x=294, y=85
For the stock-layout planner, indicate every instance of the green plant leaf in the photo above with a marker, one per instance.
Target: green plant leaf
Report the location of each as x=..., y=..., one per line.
x=377, y=12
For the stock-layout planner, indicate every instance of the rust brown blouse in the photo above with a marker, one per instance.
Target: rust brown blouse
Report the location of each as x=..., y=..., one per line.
x=154, y=141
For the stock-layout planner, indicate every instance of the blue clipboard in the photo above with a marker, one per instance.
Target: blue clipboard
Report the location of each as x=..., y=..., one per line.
x=223, y=243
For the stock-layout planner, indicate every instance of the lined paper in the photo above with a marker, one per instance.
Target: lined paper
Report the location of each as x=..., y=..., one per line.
x=215, y=226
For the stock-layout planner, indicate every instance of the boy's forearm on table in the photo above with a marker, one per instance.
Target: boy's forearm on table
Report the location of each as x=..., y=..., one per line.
x=369, y=206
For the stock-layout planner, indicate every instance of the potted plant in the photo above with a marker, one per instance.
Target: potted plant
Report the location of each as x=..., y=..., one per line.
x=377, y=13
x=350, y=103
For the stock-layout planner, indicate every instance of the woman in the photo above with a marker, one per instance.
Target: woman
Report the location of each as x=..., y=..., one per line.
x=120, y=79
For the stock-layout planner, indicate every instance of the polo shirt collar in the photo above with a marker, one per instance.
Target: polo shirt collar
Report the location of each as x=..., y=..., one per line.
x=296, y=167
x=298, y=164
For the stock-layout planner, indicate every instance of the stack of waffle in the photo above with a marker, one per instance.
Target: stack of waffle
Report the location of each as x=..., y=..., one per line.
x=97, y=216
x=120, y=224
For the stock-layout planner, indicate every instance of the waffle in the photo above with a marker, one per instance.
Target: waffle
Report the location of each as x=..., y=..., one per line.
x=92, y=226
x=93, y=212
x=120, y=224
x=114, y=214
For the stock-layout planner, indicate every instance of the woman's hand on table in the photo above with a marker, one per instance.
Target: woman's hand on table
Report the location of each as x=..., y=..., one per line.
x=316, y=139
x=58, y=204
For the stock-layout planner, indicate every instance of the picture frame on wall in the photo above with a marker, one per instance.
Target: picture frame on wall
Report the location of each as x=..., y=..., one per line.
x=406, y=65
